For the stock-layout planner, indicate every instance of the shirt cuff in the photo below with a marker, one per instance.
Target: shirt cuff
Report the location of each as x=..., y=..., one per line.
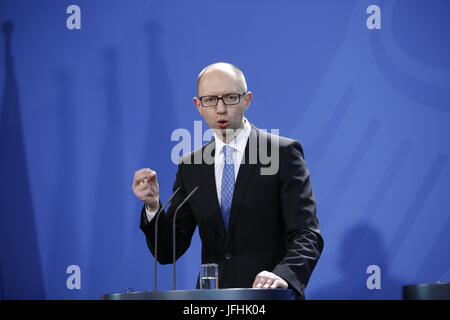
x=151, y=214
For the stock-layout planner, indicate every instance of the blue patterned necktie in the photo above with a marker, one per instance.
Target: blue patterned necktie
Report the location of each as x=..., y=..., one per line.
x=227, y=184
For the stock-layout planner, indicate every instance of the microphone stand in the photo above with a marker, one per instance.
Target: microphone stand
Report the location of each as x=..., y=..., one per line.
x=173, y=235
x=156, y=236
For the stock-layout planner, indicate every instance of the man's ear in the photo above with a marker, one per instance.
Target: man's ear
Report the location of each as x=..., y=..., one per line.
x=248, y=98
x=197, y=104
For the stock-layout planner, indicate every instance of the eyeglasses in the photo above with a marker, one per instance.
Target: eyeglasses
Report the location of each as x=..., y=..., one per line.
x=227, y=99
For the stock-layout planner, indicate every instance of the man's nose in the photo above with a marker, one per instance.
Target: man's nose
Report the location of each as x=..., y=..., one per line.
x=221, y=107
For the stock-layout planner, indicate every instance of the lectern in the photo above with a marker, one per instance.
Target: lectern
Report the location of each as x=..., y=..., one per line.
x=199, y=294
x=427, y=291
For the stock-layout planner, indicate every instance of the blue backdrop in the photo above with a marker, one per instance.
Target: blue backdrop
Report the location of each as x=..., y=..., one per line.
x=83, y=109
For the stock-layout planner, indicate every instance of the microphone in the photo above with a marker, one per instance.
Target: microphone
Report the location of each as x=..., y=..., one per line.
x=156, y=234
x=173, y=235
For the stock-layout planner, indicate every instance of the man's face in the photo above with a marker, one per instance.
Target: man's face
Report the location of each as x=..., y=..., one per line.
x=223, y=117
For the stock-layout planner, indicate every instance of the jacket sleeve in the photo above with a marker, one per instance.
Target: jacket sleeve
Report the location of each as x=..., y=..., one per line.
x=185, y=225
x=302, y=229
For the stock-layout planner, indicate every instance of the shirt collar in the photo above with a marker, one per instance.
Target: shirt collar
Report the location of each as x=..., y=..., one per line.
x=239, y=142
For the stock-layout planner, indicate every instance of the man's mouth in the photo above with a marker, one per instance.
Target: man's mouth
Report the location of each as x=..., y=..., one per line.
x=222, y=123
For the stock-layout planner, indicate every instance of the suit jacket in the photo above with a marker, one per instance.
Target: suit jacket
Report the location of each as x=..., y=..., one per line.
x=273, y=222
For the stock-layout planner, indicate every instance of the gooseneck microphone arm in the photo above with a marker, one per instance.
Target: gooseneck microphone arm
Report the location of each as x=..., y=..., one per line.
x=173, y=235
x=156, y=235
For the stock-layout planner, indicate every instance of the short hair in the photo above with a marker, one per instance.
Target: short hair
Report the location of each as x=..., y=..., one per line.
x=222, y=65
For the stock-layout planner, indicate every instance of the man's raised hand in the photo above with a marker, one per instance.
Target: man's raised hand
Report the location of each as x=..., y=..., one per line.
x=145, y=187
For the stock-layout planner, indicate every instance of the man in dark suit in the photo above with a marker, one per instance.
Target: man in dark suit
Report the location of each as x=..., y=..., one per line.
x=254, y=207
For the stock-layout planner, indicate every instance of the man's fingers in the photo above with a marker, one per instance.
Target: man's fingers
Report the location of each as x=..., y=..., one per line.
x=260, y=279
x=276, y=284
x=141, y=188
x=144, y=175
x=279, y=283
x=151, y=178
x=144, y=193
x=268, y=280
x=143, y=172
x=139, y=176
x=256, y=281
x=261, y=282
x=145, y=190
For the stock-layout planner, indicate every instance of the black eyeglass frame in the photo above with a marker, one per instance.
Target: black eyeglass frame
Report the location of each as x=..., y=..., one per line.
x=221, y=98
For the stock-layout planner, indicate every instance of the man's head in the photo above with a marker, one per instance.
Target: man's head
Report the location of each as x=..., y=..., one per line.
x=222, y=80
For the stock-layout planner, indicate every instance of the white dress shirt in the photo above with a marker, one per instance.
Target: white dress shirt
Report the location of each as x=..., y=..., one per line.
x=238, y=144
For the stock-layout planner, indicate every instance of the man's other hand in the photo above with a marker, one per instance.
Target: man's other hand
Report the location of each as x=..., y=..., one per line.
x=269, y=280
